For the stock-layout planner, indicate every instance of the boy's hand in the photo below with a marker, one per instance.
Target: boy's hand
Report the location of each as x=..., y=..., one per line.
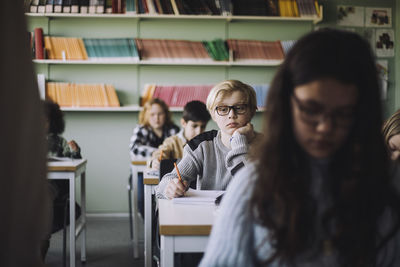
x=175, y=188
x=155, y=164
x=247, y=131
x=73, y=145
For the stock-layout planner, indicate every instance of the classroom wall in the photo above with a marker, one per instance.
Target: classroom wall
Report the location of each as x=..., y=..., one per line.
x=393, y=95
x=104, y=136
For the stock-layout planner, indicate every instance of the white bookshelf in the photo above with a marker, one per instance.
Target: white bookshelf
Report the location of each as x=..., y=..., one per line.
x=314, y=19
x=261, y=63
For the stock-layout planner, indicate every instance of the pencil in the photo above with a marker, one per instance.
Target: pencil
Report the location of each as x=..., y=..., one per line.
x=160, y=158
x=179, y=174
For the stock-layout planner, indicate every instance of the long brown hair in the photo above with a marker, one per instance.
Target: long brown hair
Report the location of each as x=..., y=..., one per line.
x=144, y=116
x=359, y=182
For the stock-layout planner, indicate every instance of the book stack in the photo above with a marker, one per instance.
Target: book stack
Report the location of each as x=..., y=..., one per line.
x=63, y=48
x=255, y=51
x=299, y=8
x=82, y=95
x=179, y=95
x=217, y=49
x=175, y=95
x=115, y=48
x=171, y=50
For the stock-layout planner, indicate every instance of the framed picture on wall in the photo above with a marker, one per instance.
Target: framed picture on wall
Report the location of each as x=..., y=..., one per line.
x=384, y=43
x=350, y=16
x=378, y=17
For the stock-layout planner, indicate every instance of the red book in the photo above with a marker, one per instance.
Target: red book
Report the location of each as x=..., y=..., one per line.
x=39, y=44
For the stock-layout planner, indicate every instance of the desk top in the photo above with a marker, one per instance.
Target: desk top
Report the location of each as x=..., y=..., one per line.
x=66, y=165
x=182, y=219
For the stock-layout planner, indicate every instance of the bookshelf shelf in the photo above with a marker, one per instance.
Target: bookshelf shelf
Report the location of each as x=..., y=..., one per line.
x=314, y=19
x=131, y=108
x=153, y=62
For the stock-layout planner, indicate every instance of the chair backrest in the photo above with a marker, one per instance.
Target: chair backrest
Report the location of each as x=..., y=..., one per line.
x=167, y=165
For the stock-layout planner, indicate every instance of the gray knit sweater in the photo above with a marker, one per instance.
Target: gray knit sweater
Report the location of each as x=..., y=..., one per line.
x=237, y=240
x=209, y=161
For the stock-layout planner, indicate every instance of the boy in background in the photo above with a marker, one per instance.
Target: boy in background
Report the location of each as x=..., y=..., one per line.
x=194, y=121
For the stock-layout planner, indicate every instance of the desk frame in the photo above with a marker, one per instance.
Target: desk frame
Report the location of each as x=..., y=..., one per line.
x=136, y=167
x=150, y=182
x=70, y=170
x=181, y=230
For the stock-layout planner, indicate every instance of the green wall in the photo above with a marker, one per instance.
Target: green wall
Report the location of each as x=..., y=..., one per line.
x=104, y=136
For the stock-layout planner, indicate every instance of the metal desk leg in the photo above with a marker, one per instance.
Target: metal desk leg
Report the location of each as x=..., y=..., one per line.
x=135, y=214
x=147, y=225
x=83, y=216
x=72, y=222
x=167, y=251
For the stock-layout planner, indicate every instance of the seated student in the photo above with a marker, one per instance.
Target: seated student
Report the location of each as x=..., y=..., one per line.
x=58, y=147
x=154, y=126
x=391, y=135
x=320, y=193
x=213, y=157
x=194, y=121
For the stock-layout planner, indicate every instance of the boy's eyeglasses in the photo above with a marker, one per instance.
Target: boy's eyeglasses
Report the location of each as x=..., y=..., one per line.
x=314, y=116
x=238, y=109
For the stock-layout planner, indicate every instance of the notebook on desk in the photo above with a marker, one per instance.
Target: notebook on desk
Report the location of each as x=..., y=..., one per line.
x=199, y=197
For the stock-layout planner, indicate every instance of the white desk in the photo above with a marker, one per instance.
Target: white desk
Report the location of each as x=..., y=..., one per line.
x=137, y=165
x=183, y=228
x=70, y=170
x=150, y=182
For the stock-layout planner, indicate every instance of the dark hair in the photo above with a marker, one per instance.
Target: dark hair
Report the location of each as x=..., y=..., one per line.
x=359, y=182
x=54, y=117
x=196, y=111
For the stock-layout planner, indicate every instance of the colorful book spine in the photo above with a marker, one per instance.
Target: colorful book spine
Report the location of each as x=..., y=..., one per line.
x=39, y=43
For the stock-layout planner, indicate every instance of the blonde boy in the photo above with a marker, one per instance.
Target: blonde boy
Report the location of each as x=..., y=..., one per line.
x=213, y=157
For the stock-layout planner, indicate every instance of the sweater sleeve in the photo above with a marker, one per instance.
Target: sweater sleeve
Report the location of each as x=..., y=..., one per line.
x=138, y=143
x=231, y=241
x=189, y=167
x=237, y=156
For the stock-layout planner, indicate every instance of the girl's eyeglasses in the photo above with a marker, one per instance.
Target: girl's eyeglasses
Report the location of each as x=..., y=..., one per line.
x=314, y=116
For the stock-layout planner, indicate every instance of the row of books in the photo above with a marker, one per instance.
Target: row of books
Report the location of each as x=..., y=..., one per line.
x=179, y=95
x=82, y=95
x=284, y=8
x=80, y=6
x=63, y=48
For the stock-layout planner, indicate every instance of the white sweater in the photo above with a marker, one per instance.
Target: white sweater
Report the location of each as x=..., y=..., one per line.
x=237, y=240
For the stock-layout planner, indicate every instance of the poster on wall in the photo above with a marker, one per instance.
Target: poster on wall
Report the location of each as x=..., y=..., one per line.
x=350, y=16
x=382, y=66
x=384, y=43
x=378, y=17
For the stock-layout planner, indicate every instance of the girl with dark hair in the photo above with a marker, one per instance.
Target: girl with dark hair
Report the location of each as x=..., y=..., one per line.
x=319, y=193
x=55, y=126
x=57, y=146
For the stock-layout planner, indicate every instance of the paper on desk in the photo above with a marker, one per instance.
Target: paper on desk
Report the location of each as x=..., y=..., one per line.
x=198, y=197
x=53, y=158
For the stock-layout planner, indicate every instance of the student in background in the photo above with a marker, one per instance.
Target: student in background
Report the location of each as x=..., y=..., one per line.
x=154, y=126
x=24, y=200
x=391, y=135
x=194, y=121
x=58, y=146
x=320, y=193
x=213, y=157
